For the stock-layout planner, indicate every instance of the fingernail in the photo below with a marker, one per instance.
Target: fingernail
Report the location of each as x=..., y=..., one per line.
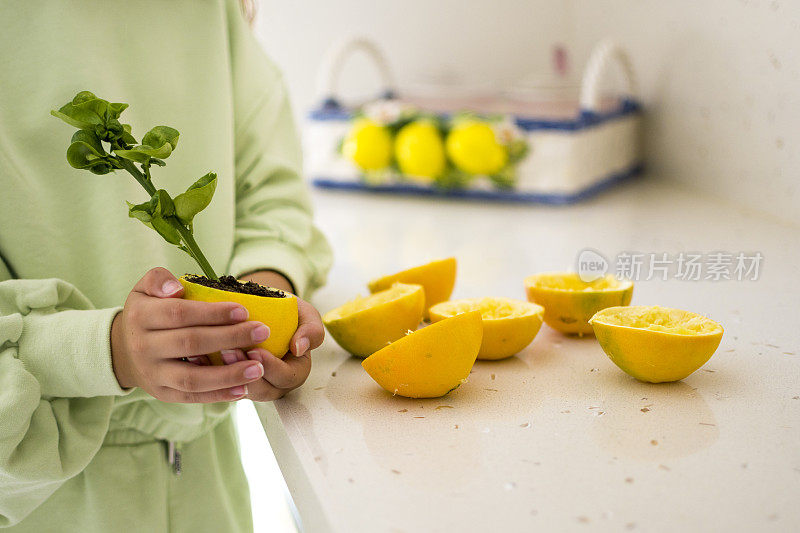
x=194, y=360
x=239, y=314
x=170, y=287
x=301, y=346
x=260, y=333
x=254, y=355
x=254, y=371
x=229, y=356
x=241, y=390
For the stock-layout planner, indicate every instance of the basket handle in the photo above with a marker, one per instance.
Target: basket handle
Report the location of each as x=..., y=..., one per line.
x=603, y=54
x=328, y=76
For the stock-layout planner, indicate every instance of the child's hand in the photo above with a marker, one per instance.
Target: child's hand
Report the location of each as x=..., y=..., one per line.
x=157, y=328
x=283, y=375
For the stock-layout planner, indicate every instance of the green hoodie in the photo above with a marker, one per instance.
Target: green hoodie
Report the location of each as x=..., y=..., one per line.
x=76, y=451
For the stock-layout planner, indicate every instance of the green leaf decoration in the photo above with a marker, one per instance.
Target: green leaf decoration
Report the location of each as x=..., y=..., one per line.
x=196, y=198
x=452, y=178
x=505, y=179
x=517, y=151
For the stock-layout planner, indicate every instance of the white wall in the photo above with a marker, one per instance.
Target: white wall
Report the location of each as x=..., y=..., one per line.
x=473, y=42
x=720, y=78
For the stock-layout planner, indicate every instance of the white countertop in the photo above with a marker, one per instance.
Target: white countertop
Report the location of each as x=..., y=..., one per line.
x=556, y=438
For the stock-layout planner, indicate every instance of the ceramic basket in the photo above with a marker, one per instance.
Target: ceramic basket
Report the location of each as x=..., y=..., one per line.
x=577, y=148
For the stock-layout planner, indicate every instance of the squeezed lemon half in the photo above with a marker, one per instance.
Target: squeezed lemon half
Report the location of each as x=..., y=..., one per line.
x=279, y=314
x=656, y=344
x=569, y=302
x=437, y=278
x=365, y=325
x=508, y=325
x=429, y=362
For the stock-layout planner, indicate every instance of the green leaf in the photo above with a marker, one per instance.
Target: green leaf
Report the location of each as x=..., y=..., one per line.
x=163, y=206
x=134, y=154
x=141, y=212
x=196, y=198
x=110, y=131
x=91, y=139
x=127, y=137
x=86, y=152
x=154, y=214
x=157, y=143
x=87, y=112
x=165, y=229
x=161, y=137
x=116, y=109
x=83, y=96
x=70, y=120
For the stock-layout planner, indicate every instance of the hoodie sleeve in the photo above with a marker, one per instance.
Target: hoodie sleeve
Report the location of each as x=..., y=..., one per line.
x=274, y=226
x=57, y=389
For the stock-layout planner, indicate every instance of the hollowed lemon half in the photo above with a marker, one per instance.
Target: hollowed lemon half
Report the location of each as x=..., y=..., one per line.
x=508, y=325
x=365, y=325
x=429, y=362
x=437, y=278
x=569, y=302
x=279, y=314
x=656, y=344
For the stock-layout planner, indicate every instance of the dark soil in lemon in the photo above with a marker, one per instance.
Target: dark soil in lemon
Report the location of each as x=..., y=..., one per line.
x=231, y=284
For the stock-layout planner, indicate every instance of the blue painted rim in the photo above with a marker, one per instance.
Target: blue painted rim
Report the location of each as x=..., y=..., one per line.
x=499, y=195
x=330, y=110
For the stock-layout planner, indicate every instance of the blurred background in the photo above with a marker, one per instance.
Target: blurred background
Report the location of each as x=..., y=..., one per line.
x=718, y=78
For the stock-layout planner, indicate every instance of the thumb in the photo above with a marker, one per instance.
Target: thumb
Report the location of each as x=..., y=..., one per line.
x=310, y=332
x=160, y=283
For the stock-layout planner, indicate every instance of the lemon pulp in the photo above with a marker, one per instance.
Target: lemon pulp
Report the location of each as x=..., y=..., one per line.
x=569, y=302
x=437, y=278
x=365, y=325
x=655, y=318
x=571, y=281
x=508, y=325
